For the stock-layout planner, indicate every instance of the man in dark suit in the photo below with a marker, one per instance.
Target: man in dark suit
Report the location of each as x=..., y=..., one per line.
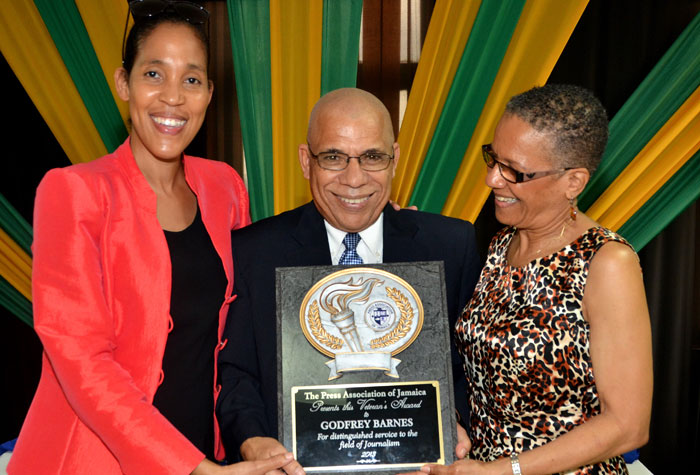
x=349, y=161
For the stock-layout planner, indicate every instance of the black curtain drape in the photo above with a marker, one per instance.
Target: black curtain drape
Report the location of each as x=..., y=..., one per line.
x=670, y=264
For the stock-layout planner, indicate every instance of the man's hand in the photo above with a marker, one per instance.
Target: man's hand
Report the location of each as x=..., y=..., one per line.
x=464, y=445
x=397, y=206
x=261, y=448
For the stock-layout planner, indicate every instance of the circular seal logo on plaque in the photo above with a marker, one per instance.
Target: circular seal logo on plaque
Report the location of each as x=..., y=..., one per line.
x=361, y=310
x=380, y=316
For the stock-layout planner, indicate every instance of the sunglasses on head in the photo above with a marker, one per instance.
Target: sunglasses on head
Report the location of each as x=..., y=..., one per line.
x=142, y=9
x=190, y=11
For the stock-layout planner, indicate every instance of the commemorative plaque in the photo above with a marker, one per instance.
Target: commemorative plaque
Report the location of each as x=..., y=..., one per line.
x=364, y=370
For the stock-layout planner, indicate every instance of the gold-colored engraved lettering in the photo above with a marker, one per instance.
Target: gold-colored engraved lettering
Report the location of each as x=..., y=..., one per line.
x=404, y=325
x=320, y=333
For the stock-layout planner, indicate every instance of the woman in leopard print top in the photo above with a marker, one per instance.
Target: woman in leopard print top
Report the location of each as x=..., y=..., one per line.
x=556, y=338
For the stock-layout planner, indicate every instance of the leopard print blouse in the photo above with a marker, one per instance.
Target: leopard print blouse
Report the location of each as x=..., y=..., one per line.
x=526, y=346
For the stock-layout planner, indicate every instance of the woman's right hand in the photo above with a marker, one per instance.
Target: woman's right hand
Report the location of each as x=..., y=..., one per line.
x=255, y=467
x=465, y=467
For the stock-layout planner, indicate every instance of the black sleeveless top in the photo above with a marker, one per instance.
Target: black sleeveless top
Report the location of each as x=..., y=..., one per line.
x=186, y=396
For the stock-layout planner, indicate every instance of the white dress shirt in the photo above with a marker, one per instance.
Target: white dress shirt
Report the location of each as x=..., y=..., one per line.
x=370, y=248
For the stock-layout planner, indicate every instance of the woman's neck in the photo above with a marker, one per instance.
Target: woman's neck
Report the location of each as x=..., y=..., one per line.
x=163, y=175
x=176, y=203
x=530, y=244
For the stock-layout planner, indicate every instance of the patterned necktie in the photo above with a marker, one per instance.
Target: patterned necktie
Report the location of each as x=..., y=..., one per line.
x=350, y=255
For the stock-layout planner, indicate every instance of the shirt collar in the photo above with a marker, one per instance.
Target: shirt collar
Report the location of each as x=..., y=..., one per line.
x=370, y=248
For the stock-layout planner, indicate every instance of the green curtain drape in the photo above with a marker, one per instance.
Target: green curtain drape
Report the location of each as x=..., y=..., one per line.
x=481, y=60
x=656, y=99
x=15, y=302
x=63, y=21
x=250, y=37
x=15, y=225
x=341, y=44
x=249, y=22
x=21, y=232
x=671, y=200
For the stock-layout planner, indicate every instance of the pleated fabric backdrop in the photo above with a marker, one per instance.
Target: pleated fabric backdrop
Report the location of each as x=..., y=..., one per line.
x=286, y=53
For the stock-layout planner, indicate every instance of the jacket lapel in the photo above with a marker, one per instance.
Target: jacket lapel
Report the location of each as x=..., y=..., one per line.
x=310, y=235
x=400, y=229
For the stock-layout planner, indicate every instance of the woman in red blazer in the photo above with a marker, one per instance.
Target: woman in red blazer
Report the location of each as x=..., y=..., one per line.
x=114, y=279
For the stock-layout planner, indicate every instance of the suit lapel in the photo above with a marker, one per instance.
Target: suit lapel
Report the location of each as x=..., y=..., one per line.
x=310, y=235
x=400, y=229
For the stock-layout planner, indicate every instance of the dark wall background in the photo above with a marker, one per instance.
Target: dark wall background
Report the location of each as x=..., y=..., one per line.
x=612, y=49
x=30, y=150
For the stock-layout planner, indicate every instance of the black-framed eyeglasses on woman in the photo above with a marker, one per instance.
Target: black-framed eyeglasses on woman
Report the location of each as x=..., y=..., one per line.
x=191, y=12
x=336, y=161
x=510, y=174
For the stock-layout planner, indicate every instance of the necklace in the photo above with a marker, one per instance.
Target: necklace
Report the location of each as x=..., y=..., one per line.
x=547, y=244
x=550, y=242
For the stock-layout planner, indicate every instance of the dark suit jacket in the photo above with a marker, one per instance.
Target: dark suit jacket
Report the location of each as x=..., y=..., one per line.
x=247, y=405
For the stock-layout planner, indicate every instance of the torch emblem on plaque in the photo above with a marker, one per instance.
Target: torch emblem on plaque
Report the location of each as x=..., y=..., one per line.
x=336, y=299
x=361, y=317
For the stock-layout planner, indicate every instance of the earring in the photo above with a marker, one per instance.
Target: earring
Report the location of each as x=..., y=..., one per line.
x=573, y=212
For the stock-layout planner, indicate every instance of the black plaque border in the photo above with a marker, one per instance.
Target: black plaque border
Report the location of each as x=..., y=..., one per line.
x=434, y=383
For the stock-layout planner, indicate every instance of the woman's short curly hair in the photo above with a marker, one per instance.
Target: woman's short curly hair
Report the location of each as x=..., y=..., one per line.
x=572, y=116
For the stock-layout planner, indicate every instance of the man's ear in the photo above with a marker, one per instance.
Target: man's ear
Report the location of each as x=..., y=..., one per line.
x=305, y=160
x=397, y=153
x=121, y=82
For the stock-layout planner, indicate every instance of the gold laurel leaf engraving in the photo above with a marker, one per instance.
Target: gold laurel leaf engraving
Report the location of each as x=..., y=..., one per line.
x=317, y=330
x=404, y=324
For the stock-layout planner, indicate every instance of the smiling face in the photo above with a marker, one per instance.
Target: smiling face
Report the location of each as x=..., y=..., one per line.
x=168, y=92
x=351, y=199
x=534, y=204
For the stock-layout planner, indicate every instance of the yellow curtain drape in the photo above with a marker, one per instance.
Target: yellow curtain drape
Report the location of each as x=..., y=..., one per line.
x=15, y=265
x=448, y=31
x=673, y=145
x=104, y=22
x=295, y=70
x=539, y=38
x=29, y=50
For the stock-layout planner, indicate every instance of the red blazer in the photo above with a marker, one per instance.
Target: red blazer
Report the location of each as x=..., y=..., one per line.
x=101, y=289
